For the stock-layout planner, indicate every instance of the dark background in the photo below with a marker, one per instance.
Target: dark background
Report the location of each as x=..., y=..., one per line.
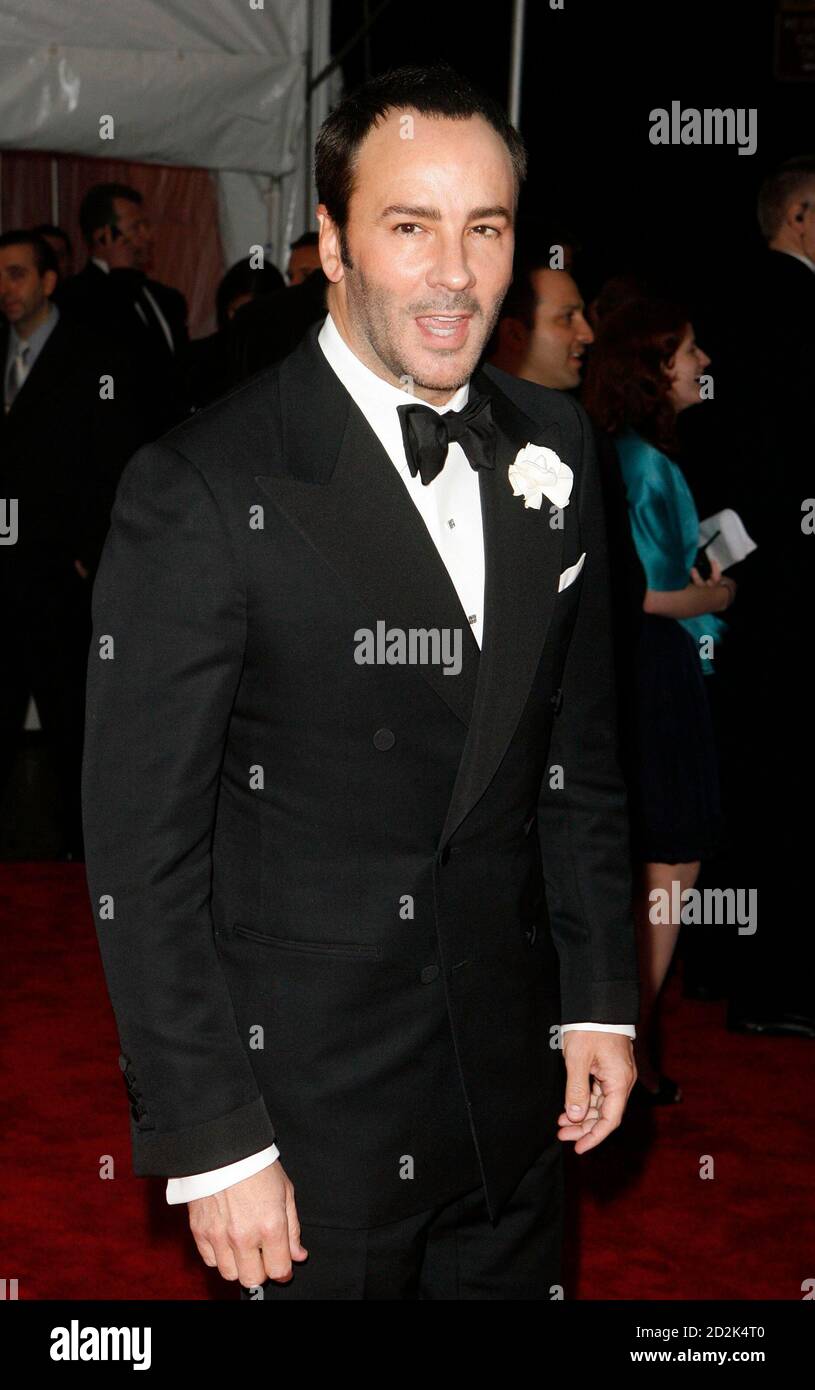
x=591, y=75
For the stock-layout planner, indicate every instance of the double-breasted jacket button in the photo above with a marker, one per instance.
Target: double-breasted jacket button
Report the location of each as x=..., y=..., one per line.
x=429, y=973
x=384, y=739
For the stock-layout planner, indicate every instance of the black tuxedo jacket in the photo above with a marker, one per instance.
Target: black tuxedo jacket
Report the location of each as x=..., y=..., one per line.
x=104, y=302
x=338, y=904
x=62, y=451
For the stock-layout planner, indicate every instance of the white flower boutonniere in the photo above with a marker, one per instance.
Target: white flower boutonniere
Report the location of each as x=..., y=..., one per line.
x=538, y=472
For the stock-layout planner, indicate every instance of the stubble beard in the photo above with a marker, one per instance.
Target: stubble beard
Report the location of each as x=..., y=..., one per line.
x=370, y=310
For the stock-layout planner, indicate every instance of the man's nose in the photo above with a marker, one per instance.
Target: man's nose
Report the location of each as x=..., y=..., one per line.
x=585, y=332
x=450, y=266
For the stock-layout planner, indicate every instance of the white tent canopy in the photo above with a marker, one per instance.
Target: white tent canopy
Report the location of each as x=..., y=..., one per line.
x=216, y=84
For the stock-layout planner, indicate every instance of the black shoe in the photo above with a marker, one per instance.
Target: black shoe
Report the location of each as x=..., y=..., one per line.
x=668, y=1093
x=778, y=1024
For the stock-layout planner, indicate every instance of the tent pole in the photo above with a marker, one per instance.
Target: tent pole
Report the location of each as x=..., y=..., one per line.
x=54, y=190
x=516, y=62
x=309, y=62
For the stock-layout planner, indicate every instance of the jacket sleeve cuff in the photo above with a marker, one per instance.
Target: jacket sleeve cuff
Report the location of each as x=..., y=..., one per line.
x=217, y=1179
x=214, y=1144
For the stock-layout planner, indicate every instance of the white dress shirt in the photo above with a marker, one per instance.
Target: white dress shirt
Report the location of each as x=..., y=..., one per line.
x=799, y=256
x=450, y=508
x=22, y=353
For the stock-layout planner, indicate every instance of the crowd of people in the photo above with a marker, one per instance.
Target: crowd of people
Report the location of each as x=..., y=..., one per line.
x=96, y=363
x=710, y=675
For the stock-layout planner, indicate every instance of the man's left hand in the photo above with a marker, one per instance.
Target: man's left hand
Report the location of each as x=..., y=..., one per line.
x=593, y=1111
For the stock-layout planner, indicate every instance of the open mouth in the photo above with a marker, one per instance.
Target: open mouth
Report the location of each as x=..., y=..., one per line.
x=450, y=328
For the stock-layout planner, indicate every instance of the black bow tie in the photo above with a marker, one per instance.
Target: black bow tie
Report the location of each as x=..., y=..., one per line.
x=427, y=436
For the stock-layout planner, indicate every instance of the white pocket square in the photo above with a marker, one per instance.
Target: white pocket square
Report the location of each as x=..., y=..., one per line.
x=569, y=576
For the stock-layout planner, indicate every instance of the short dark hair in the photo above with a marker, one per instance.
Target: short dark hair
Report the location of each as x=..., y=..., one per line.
x=96, y=209
x=437, y=90
x=779, y=188
x=47, y=229
x=45, y=257
x=243, y=278
x=307, y=239
x=533, y=248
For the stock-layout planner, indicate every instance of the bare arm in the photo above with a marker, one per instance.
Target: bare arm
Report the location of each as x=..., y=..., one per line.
x=711, y=595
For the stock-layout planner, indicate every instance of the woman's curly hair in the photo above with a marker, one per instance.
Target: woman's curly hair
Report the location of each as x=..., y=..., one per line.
x=626, y=386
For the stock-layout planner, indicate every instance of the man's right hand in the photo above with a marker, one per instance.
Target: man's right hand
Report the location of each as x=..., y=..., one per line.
x=250, y=1231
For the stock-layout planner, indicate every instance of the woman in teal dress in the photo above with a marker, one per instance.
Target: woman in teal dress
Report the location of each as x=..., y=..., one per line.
x=646, y=368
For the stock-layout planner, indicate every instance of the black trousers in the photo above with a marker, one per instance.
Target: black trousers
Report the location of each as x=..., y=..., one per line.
x=451, y=1251
x=46, y=654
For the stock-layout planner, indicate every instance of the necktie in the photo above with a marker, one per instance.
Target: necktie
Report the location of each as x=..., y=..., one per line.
x=427, y=436
x=18, y=372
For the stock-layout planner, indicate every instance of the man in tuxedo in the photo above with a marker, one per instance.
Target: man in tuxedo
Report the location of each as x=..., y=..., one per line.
x=114, y=296
x=63, y=443
x=356, y=836
x=768, y=395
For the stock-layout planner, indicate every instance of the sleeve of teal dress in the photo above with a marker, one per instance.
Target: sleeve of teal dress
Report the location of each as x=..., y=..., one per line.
x=665, y=528
x=656, y=530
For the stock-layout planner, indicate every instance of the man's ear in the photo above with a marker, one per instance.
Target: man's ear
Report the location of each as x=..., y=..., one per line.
x=50, y=280
x=796, y=211
x=329, y=245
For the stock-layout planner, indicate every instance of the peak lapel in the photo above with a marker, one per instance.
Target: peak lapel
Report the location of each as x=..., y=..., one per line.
x=523, y=556
x=343, y=494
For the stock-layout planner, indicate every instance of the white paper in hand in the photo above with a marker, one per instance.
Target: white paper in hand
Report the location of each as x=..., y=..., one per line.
x=732, y=543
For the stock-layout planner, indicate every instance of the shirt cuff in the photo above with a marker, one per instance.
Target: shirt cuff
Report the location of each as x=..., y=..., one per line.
x=627, y=1029
x=205, y=1184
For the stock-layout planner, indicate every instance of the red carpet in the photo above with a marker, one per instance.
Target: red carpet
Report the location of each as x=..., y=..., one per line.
x=641, y=1221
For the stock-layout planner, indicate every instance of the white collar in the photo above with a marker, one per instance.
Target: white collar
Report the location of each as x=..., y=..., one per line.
x=103, y=265
x=371, y=392
x=799, y=256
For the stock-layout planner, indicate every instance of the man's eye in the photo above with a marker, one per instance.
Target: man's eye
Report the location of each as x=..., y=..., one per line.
x=492, y=230
x=402, y=226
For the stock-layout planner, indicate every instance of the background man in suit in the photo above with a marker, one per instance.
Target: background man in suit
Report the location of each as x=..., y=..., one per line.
x=271, y=326
x=60, y=243
x=542, y=331
x=304, y=257
x=767, y=389
x=113, y=295
x=62, y=448
x=207, y=362
x=333, y=888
